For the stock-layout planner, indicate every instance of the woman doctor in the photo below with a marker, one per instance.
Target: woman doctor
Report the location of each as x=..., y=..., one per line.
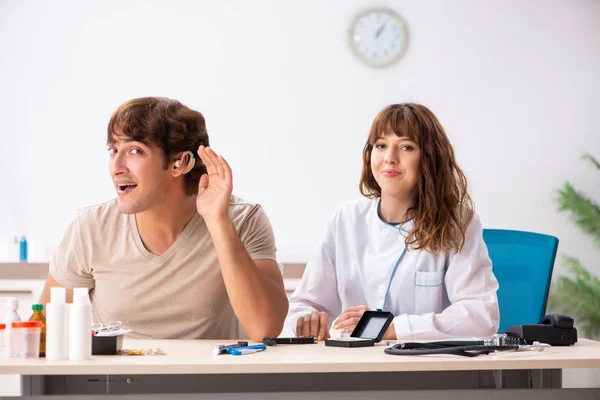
x=413, y=247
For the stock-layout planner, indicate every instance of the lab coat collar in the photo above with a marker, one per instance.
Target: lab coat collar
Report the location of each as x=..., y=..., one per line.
x=405, y=226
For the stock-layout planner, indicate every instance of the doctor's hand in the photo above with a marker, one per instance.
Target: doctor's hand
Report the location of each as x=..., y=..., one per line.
x=215, y=187
x=313, y=324
x=348, y=320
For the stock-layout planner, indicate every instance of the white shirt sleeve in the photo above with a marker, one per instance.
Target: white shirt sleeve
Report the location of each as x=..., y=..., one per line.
x=471, y=287
x=318, y=288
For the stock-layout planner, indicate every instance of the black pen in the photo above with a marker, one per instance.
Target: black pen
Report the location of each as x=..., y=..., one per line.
x=272, y=341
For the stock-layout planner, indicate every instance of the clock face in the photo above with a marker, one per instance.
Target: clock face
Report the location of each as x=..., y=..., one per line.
x=378, y=37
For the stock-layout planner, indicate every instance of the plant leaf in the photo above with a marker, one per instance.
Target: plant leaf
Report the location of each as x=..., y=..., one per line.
x=581, y=209
x=590, y=158
x=577, y=294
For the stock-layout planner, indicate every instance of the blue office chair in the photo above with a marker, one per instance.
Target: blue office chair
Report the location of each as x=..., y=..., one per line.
x=522, y=263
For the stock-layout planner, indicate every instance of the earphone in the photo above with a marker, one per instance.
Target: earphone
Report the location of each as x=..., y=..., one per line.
x=190, y=163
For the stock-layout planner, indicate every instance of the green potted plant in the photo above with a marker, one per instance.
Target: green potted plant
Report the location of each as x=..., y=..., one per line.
x=578, y=292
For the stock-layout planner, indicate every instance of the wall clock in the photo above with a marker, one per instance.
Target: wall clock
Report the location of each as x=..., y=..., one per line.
x=378, y=37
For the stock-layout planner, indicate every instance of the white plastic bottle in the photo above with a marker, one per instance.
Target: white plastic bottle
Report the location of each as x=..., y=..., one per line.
x=57, y=325
x=12, y=305
x=80, y=326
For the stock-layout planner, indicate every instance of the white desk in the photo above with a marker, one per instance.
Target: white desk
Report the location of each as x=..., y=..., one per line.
x=190, y=367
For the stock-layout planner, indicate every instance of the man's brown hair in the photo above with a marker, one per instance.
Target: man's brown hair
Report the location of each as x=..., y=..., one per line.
x=442, y=209
x=165, y=123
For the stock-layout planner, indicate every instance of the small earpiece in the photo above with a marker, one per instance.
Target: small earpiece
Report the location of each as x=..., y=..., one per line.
x=190, y=163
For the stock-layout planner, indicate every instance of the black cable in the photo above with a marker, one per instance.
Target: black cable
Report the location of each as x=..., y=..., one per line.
x=459, y=348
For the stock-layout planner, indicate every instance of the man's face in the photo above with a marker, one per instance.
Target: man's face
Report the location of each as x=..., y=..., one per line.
x=138, y=173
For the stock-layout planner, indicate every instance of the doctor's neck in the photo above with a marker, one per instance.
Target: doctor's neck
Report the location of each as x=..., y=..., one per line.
x=394, y=209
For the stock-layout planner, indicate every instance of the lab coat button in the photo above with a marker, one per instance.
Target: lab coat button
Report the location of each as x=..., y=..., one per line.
x=381, y=290
x=384, y=232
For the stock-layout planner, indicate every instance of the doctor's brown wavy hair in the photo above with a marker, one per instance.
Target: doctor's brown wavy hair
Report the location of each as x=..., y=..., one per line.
x=165, y=123
x=443, y=209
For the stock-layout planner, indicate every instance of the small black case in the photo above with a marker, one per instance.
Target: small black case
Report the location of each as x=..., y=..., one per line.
x=370, y=330
x=106, y=345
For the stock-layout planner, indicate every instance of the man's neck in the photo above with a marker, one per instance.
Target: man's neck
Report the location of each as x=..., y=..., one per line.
x=395, y=209
x=160, y=226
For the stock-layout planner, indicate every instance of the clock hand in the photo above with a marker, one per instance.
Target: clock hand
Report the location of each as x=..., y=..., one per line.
x=379, y=31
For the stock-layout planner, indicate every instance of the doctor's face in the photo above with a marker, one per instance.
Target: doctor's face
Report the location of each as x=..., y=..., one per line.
x=139, y=175
x=395, y=165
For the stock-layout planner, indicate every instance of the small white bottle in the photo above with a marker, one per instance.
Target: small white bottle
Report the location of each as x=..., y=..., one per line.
x=15, y=249
x=12, y=305
x=57, y=324
x=80, y=326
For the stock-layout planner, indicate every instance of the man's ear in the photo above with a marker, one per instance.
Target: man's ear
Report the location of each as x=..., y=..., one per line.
x=184, y=163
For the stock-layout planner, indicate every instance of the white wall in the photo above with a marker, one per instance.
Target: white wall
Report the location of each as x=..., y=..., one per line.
x=514, y=82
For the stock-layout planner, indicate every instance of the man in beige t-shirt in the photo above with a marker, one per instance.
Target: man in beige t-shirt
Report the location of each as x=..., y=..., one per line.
x=175, y=255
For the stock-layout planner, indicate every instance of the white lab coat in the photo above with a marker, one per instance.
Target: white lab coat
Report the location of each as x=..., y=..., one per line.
x=431, y=297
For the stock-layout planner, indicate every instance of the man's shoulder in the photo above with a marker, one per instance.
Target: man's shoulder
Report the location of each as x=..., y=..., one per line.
x=247, y=214
x=100, y=213
x=239, y=206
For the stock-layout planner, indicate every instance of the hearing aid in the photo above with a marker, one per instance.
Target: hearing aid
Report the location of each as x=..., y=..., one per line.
x=190, y=164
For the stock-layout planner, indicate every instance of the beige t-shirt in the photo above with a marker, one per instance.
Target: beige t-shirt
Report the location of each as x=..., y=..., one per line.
x=177, y=295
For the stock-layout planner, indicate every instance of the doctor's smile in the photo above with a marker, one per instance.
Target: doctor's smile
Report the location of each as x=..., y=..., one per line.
x=390, y=173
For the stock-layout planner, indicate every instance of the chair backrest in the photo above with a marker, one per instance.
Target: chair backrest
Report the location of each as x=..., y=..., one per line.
x=522, y=263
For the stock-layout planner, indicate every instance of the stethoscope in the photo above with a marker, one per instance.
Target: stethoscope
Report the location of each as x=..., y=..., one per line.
x=397, y=226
